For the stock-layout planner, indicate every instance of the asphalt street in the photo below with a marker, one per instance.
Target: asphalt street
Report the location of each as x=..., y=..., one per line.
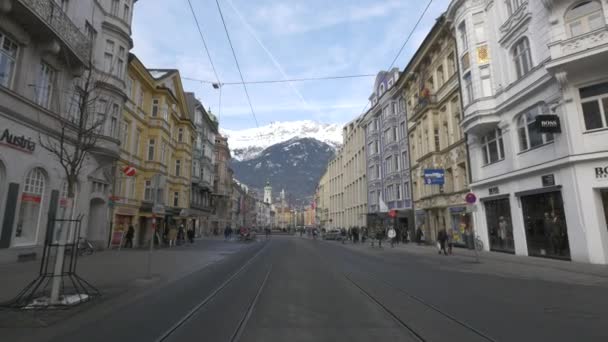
x=294, y=289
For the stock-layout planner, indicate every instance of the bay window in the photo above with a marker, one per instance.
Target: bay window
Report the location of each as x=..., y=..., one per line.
x=492, y=147
x=527, y=132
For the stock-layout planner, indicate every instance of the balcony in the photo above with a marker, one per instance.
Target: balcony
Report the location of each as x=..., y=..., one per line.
x=424, y=103
x=46, y=20
x=585, y=51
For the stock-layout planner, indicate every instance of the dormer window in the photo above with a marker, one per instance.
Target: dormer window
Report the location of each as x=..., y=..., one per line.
x=584, y=17
x=381, y=89
x=390, y=84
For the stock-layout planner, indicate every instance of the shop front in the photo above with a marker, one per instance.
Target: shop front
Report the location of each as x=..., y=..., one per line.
x=460, y=220
x=499, y=223
x=545, y=223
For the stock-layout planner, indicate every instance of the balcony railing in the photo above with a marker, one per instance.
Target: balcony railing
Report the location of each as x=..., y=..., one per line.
x=588, y=43
x=52, y=14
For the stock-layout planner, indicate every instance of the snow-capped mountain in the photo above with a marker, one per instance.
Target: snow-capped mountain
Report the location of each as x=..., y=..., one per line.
x=249, y=143
x=294, y=165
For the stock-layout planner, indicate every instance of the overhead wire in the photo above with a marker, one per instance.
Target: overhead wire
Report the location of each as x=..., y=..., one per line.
x=304, y=79
x=219, y=8
x=409, y=36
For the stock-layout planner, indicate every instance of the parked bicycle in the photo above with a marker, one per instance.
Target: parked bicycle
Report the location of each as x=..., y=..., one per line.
x=84, y=247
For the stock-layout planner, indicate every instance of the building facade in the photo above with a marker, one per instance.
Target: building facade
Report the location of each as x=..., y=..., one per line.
x=222, y=186
x=203, y=161
x=431, y=89
x=157, y=140
x=46, y=49
x=541, y=189
x=387, y=155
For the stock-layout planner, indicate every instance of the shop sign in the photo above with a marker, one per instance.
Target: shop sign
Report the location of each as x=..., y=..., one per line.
x=30, y=198
x=494, y=190
x=20, y=143
x=126, y=211
x=601, y=173
x=548, y=124
x=434, y=176
x=548, y=180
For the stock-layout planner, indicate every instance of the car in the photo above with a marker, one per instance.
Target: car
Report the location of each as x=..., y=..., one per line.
x=333, y=234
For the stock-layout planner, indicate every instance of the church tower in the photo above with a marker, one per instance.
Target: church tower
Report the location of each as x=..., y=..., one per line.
x=268, y=193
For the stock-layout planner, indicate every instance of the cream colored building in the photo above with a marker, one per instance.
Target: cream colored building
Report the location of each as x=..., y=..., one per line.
x=431, y=90
x=342, y=190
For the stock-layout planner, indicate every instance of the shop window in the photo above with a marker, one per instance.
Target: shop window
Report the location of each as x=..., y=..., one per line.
x=545, y=225
x=527, y=132
x=500, y=227
x=492, y=147
x=584, y=17
x=30, y=212
x=594, y=101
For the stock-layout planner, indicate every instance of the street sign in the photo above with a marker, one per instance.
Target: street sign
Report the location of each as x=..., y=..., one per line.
x=392, y=213
x=470, y=198
x=434, y=176
x=129, y=171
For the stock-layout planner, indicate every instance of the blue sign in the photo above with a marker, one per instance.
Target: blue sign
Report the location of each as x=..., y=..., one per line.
x=434, y=176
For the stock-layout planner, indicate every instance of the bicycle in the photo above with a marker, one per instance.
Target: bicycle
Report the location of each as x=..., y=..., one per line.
x=83, y=247
x=478, y=243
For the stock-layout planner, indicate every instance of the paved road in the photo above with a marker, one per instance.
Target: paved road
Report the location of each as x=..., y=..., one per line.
x=292, y=289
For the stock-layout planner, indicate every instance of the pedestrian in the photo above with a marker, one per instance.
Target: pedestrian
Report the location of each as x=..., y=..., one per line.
x=442, y=238
x=190, y=234
x=418, y=235
x=392, y=234
x=226, y=233
x=129, y=237
x=363, y=234
x=380, y=236
x=450, y=240
x=343, y=235
x=172, y=236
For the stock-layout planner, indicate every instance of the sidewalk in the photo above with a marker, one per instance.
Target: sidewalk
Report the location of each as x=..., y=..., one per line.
x=494, y=263
x=117, y=271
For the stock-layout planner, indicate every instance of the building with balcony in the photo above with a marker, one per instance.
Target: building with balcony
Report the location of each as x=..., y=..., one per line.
x=387, y=155
x=157, y=139
x=203, y=161
x=526, y=67
x=436, y=142
x=47, y=49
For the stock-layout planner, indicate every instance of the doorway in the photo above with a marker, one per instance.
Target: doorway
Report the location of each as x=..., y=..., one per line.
x=605, y=205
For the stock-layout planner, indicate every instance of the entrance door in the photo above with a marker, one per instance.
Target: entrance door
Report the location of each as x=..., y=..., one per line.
x=545, y=223
x=605, y=202
x=500, y=229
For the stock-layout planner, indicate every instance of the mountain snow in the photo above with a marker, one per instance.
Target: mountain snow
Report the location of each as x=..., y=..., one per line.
x=248, y=143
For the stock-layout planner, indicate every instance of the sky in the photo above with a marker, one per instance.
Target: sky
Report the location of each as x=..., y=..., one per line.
x=277, y=40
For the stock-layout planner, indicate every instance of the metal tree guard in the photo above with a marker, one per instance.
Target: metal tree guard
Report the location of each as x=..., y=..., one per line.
x=36, y=295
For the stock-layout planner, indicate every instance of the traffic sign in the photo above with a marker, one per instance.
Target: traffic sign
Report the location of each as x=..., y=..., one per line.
x=392, y=213
x=470, y=198
x=129, y=171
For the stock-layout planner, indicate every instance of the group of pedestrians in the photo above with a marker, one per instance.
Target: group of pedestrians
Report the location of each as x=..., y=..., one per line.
x=174, y=236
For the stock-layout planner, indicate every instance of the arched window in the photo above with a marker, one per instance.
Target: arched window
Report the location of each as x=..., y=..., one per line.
x=522, y=57
x=381, y=90
x=28, y=221
x=584, y=17
x=527, y=132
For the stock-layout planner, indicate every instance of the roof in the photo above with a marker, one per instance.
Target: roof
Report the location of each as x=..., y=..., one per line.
x=161, y=73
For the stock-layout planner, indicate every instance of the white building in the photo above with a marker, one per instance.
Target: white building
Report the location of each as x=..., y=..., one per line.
x=541, y=193
x=44, y=48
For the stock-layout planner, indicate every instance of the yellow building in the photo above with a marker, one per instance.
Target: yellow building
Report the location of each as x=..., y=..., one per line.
x=157, y=135
x=436, y=141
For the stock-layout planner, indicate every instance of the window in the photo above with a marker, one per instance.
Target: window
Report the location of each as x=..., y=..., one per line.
x=8, y=59
x=396, y=163
x=180, y=135
x=584, y=17
x=44, y=85
x=440, y=76
x=124, y=134
x=451, y=64
x=404, y=159
x=151, y=149
x=90, y=31
x=376, y=124
x=381, y=89
x=479, y=28
x=114, y=8
x=406, y=190
x=388, y=165
x=513, y=5
x=31, y=205
x=100, y=118
x=140, y=98
x=486, y=81
x=398, y=192
x=437, y=139
x=178, y=167
x=163, y=153
x=376, y=147
x=594, y=101
x=466, y=61
x=492, y=147
x=528, y=134
x=395, y=107
x=196, y=169
x=136, y=146
x=120, y=64
x=385, y=112
x=402, y=130
x=468, y=86
x=114, y=121
x=522, y=57
x=176, y=199
x=154, y=108
x=148, y=190
x=129, y=88
x=108, y=56
x=462, y=35
x=126, y=14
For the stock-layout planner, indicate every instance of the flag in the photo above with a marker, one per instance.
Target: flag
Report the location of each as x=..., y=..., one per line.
x=382, y=205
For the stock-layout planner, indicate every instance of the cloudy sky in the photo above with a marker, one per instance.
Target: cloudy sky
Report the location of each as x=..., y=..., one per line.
x=279, y=39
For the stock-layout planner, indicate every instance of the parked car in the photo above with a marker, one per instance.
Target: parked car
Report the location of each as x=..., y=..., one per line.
x=333, y=234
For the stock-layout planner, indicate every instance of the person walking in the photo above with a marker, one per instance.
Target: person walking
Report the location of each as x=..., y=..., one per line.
x=380, y=236
x=450, y=240
x=392, y=234
x=172, y=236
x=343, y=235
x=190, y=234
x=418, y=235
x=129, y=237
x=442, y=238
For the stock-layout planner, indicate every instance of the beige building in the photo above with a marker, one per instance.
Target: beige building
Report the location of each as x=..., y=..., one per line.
x=342, y=190
x=436, y=141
